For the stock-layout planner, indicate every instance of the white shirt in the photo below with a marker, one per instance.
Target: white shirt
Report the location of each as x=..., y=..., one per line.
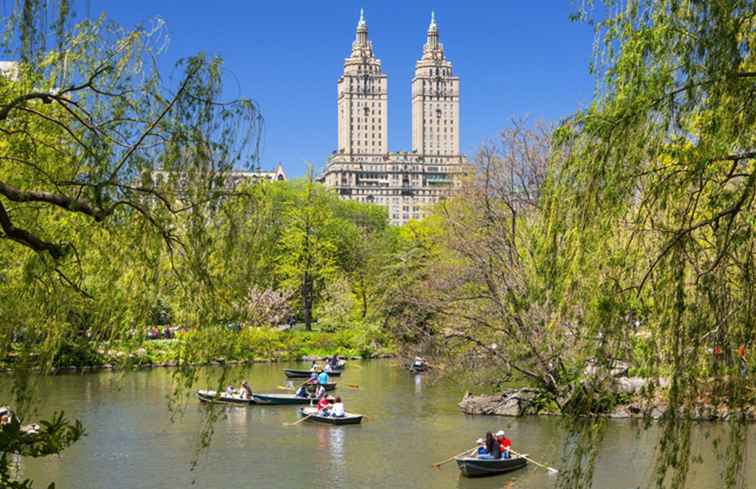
x=338, y=409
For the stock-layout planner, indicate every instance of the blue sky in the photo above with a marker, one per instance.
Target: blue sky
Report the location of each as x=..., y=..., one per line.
x=515, y=58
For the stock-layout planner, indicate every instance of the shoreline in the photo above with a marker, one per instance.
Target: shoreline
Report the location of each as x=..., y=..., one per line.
x=519, y=403
x=173, y=364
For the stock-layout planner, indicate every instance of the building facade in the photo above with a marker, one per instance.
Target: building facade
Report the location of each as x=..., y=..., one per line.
x=362, y=168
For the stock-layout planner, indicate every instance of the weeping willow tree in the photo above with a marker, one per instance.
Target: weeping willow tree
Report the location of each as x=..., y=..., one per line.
x=110, y=172
x=654, y=203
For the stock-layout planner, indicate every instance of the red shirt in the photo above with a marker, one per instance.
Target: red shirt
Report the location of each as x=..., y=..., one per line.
x=322, y=403
x=505, y=443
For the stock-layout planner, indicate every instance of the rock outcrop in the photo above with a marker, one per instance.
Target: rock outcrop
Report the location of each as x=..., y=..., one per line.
x=512, y=402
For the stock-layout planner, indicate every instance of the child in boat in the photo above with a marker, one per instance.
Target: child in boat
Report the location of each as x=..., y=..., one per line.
x=323, y=406
x=482, y=451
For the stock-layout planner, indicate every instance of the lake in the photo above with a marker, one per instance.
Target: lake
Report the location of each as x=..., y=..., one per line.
x=412, y=423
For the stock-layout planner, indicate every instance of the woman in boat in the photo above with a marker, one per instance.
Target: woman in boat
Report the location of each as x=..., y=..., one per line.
x=337, y=411
x=327, y=368
x=490, y=445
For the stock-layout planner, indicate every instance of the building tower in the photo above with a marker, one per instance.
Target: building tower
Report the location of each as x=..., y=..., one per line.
x=362, y=95
x=435, y=100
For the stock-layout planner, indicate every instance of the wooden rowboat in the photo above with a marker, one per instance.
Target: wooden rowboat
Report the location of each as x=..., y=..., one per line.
x=293, y=373
x=348, y=418
x=481, y=467
x=280, y=399
x=210, y=396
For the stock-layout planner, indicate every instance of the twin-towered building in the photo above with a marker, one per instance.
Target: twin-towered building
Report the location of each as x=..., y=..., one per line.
x=362, y=168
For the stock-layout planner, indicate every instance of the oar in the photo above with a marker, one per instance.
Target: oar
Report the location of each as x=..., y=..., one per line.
x=299, y=421
x=352, y=386
x=284, y=388
x=550, y=469
x=439, y=464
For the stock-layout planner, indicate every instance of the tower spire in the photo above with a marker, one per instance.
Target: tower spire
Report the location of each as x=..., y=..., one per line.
x=433, y=26
x=362, y=22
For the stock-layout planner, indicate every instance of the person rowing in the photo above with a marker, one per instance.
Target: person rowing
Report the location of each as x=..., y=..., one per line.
x=246, y=390
x=323, y=378
x=505, y=444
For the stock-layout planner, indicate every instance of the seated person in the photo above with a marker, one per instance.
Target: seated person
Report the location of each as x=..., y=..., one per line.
x=320, y=392
x=505, y=444
x=482, y=452
x=337, y=410
x=246, y=390
x=302, y=391
x=323, y=378
x=323, y=406
x=327, y=369
x=230, y=391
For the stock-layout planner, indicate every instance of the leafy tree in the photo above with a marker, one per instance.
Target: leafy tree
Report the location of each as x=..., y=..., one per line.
x=306, y=259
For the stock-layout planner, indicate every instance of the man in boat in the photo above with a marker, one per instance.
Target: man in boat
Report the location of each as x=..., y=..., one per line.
x=505, y=444
x=246, y=390
x=230, y=391
x=323, y=378
x=327, y=368
x=314, y=366
x=418, y=363
x=334, y=361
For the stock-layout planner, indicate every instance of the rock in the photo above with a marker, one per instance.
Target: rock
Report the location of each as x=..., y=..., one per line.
x=513, y=402
x=619, y=369
x=620, y=412
x=630, y=385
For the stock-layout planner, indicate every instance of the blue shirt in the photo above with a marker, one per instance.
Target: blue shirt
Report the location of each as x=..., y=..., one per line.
x=323, y=378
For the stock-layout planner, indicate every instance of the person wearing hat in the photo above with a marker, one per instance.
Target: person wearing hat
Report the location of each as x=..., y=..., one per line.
x=505, y=444
x=482, y=451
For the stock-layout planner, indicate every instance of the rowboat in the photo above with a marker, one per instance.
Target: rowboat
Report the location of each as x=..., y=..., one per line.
x=279, y=399
x=293, y=373
x=313, y=387
x=211, y=396
x=348, y=418
x=481, y=467
x=416, y=369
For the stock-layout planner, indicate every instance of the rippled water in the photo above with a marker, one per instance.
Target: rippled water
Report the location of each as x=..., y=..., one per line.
x=412, y=423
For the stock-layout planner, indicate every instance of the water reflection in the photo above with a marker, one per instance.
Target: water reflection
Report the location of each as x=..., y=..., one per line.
x=418, y=383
